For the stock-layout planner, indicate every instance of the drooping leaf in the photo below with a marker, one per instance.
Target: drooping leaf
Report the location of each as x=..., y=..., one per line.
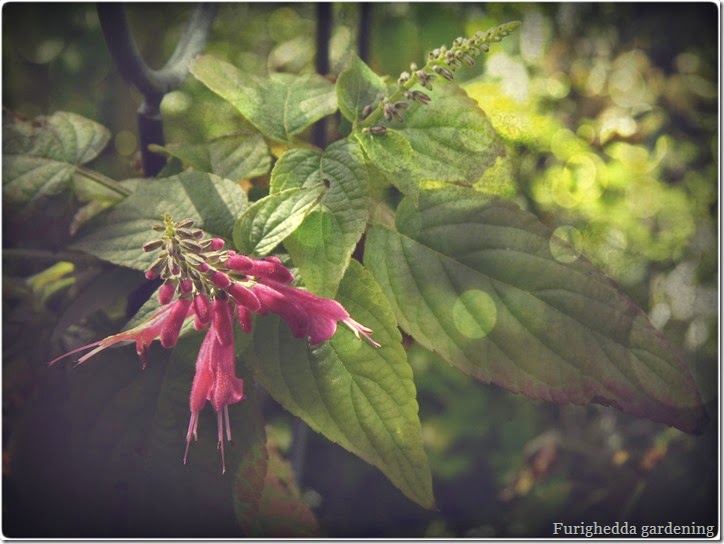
x=357, y=87
x=268, y=221
x=40, y=157
x=213, y=202
x=356, y=395
x=323, y=244
x=234, y=156
x=490, y=288
x=280, y=106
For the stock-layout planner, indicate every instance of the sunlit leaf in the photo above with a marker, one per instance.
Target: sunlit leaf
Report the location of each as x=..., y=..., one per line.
x=357, y=87
x=449, y=140
x=234, y=156
x=280, y=106
x=268, y=221
x=488, y=287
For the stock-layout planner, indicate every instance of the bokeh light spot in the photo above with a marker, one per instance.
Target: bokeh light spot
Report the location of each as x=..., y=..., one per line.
x=474, y=313
x=565, y=244
x=125, y=143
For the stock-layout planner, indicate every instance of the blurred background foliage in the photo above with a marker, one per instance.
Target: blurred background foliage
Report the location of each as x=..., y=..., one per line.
x=610, y=112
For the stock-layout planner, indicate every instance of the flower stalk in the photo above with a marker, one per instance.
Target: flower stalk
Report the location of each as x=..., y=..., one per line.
x=441, y=63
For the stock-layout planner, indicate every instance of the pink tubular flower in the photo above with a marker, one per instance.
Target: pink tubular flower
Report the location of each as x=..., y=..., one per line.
x=306, y=313
x=168, y=318
x=215, y=378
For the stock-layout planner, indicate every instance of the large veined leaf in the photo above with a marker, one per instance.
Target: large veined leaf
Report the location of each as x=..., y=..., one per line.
x=39, y=158
x=234, y=156
x=489, y=288
x=450, y=140
x=213, y=202
x=357, y=87
x=323, y=243
x=356, y=395
x=268, y=221
x=280, y=106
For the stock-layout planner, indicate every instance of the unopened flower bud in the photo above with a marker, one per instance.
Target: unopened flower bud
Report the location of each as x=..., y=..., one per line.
x=186, y=286
x=419, y=96
x=404, y=78
x=203, y=267
x=413, y=67
x=190, y=245
x=166, y=292
x=401, y=105
x=197, y=233
x=377, y=129
x=388, y=112
x=217, y=244
x=443, y=72
x=220, y=280
x=152, y=245
x=155, y=269
x=468, y=59
x=184, y=233
x=159, y=228
x=240, y=263
x=185, y=223
x=366, y=111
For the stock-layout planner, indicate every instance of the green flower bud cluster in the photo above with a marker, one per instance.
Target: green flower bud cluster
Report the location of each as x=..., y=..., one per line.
x=192, y=263
x=442, y=62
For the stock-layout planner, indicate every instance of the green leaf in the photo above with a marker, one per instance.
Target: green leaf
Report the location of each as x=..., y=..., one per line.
x=213, y=202
x=280, y=106
x=392, y=155
x=489, y=288
x=234, y=156
x=40, y=157
x=357, y=87
x=268, y=221
x=450, y=140
x=359, y=396
x=322, y=245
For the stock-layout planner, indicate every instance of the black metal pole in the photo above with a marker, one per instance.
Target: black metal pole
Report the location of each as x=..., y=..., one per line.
x=364, y=29
x=321, y=64
x=153, y=84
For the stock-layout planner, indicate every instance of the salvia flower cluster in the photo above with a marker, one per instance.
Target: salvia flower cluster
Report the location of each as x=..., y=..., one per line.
x=214, y=286
x=441, y=63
